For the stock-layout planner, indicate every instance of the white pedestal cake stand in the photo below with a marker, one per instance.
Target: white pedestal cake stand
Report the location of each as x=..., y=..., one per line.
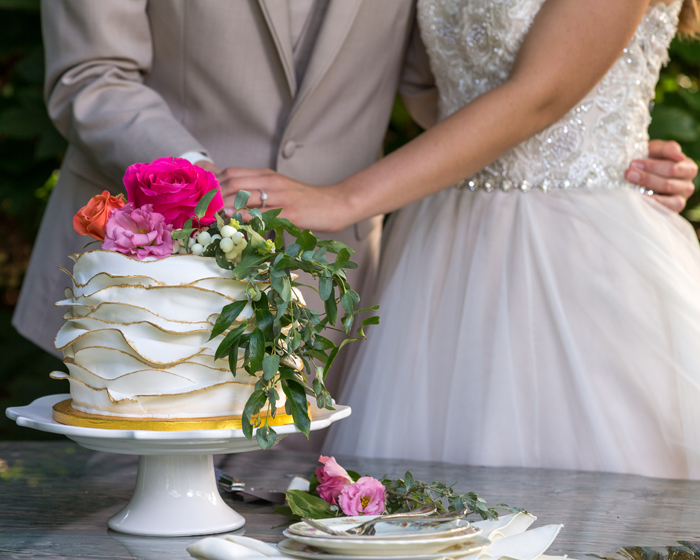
x=176, y=493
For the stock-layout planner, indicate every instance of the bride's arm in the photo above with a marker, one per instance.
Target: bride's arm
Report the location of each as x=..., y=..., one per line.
x=569, y=48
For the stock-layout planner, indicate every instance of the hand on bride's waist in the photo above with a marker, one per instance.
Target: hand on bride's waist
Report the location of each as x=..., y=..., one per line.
x=318, y=208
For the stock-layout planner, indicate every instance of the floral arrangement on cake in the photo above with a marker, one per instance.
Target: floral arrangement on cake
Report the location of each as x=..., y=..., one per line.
x=335, y=491
x=173, y=208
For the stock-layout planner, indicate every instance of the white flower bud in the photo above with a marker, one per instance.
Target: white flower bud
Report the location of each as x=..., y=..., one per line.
x=227, y=231
x=204, y=238
x=226, y=244
x=197, y=249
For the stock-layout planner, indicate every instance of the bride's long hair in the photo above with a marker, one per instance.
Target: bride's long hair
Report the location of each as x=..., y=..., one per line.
x=690, y=18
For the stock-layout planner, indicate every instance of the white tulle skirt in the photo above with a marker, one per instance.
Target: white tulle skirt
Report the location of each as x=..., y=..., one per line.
x=557, y=330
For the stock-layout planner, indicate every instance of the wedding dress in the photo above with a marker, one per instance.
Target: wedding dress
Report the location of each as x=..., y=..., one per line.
x=547, y=314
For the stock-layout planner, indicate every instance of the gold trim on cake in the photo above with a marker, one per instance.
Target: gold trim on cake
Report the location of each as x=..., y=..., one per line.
x=64, y=413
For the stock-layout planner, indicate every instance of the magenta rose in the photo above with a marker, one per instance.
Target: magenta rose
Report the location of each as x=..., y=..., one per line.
x=366, y=497
x=138, y=232
x=173, y=187
x=332, y=478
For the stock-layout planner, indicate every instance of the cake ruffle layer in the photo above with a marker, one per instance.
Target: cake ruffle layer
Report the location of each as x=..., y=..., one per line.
x=136, y=337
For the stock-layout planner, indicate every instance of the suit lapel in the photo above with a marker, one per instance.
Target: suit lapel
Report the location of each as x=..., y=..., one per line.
x=276, y=14
x=339, y=18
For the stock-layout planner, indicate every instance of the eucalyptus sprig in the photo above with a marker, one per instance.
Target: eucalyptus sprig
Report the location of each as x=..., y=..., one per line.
x=402, y=495
x=282, y=341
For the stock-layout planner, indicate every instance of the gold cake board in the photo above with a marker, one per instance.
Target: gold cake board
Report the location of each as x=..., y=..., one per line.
x=64, y=413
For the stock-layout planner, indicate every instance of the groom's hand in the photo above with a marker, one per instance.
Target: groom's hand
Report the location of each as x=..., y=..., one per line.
x=667, y=171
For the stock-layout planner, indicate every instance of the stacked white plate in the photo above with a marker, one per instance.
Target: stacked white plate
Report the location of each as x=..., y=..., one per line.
x=421, y=538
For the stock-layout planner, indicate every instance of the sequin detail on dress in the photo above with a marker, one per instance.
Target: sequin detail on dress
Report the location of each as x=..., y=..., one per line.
x=472, y=47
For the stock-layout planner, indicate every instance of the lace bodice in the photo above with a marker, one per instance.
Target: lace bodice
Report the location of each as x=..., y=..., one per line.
x=472, y=45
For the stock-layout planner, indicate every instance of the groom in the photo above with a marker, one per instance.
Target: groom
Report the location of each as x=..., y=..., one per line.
x=304, y=87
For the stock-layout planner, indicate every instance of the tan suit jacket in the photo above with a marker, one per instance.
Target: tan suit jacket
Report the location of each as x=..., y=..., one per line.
x=133, y=80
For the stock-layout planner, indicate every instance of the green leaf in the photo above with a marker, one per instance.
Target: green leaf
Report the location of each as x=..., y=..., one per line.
x=374, y=320
x=257, y=219
x=342, y=260
x=252, y=407
x=256, y=349
x=203, y=205
x=249, y=264
x=325, y=287
x=297, y=397
x=270, y=365
x=334, y=246
x=271, y=215
x=304, y=504
x=293, y=250
x=241, y=200
x=331, y=309
x=233, y=357
x=230, y=338
x=307, y=241
x=228, y=315
x=264, y=320
x=266, y=436
x=347, y=302
x=286, y=293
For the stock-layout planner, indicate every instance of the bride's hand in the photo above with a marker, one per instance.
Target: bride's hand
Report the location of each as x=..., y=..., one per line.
x=321, y=209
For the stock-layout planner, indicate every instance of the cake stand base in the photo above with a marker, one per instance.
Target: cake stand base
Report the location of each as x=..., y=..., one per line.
x=176, y=493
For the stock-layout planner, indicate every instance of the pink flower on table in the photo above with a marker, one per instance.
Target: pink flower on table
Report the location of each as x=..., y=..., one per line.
x=367, y=496
x=332, y=479
x=173, y=186
x=138, y=232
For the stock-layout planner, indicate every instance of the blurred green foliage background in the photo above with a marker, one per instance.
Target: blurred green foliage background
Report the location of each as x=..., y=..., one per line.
x=31, y=151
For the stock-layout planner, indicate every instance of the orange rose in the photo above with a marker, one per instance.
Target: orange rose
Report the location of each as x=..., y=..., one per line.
x=92, y=218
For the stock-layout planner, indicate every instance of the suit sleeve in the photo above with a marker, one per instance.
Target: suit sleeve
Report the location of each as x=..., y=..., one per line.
x=417, y=86
x=97, y=55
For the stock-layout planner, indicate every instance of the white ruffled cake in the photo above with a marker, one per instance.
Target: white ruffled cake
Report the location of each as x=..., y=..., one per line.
x=135, y=340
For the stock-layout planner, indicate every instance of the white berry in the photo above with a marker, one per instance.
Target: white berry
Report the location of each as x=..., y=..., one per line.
x=241, y=245
x=215, y=236
x=226, y=244
x=197, y=249
x=227, y=231
x=204, y=238
x=237, y=237
x=191, y=242
x=231, y=255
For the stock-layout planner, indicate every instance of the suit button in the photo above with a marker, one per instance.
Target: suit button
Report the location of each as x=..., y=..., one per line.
x=289, y=149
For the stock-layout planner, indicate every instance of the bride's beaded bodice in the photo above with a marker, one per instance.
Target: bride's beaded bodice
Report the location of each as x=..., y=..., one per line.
x=472, y=45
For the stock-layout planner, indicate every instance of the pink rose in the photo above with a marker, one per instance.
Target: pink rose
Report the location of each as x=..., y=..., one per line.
x=173, y=186
x=138, y=232
x=366, y=497
x=332, y=479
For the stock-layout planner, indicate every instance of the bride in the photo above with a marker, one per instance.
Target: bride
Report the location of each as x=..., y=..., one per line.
x=544, y=313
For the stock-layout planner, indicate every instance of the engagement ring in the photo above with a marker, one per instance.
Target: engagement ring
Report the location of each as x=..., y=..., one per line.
x=263, y=196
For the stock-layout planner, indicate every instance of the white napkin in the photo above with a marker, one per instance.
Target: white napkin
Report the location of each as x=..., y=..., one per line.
x=231, y=546
x=510, y=539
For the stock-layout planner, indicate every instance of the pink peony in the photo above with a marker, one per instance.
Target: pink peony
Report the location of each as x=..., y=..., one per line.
x=332, y=479
x=366, y=497
x=138, y=232
x=173, y=186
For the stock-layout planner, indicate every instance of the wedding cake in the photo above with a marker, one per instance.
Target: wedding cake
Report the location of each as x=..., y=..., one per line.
x=189, y=317
x=136, y=337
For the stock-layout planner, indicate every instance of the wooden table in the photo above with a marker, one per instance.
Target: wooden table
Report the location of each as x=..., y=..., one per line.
x=55, y=499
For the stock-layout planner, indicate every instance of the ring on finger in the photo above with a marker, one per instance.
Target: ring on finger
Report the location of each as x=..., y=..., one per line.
x=263, y=197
